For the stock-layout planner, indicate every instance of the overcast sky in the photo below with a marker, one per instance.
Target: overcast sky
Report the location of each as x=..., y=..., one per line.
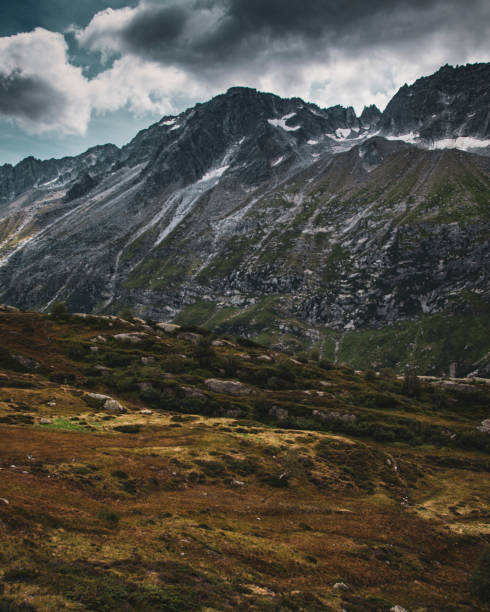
x=73, y=75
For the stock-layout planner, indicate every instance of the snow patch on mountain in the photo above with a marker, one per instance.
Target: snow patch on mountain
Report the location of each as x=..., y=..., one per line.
x=168, y=122
x=462, y=142
x=281, y=123
x=214, y=173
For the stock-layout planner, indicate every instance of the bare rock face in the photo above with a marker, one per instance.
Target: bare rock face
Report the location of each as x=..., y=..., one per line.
x=229, y=387
x=251, y=199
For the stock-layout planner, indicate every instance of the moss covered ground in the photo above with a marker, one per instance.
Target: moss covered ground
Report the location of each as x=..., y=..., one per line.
x=191, y=499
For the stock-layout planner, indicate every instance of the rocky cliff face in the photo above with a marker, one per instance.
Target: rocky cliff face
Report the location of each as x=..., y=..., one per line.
x=449, y=108
x=263, y=216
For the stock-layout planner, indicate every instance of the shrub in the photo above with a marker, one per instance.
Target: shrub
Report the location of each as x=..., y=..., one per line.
x=109, y=516
x=59, y=310
x=480, y=579
x=411, y=385
x=326, y=365
x=129, y=429
x=76, y=350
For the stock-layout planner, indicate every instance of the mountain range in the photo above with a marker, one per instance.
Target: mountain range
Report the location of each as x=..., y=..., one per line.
x=364, y=237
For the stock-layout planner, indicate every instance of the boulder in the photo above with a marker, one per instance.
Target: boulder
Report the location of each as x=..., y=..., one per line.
x=7, y=308
x=112, y=405
x=233, y=413
x=281, y=414
x=334, y=416
x=397, y=609
x=340, y=586
x=134, y=337
x=229, y=387
x=145, y=386
x=169, y=328
x=99, y=397
x=25, y=362
x=190, y=337
x=44, y=421
x=264, y=358
x=485, y=426
x=146, y=411
x=147, y=360
x=451, y=385
x=191, y=392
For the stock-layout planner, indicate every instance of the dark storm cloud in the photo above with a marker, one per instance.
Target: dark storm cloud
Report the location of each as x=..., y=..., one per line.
x=29, y=97
x=257, y=27
x=155, y=29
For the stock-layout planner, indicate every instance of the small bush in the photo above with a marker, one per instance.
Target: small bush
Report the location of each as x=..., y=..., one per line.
x=480, y=579
x=129, y=429
x=109, y=516
x=411, y=385
x=59, y=310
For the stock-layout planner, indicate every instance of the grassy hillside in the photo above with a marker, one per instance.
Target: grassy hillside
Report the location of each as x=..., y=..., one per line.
x=428, y=344
x=227, y=476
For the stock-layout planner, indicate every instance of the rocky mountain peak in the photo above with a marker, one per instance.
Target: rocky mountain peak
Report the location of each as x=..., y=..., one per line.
x=370, y=116
x=451, y=104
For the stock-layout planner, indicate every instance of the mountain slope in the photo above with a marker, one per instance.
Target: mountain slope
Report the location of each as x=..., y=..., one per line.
x=267, y=217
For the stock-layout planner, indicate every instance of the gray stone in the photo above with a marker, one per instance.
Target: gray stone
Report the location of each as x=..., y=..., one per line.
x=169, y=328
x=26, y=362
x=133, y=337
x=192, y=392
x=112, y=405
x=44, y=421
x=281, y=414
x=99, y=397
x=190, y=337
x=145, y=386
x=7, y=308
x=485, y=426
x=229, y=387
x=233, y=413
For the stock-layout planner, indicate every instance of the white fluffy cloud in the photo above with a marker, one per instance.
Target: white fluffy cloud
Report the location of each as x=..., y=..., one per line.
x=39, y=88
x=142, y=86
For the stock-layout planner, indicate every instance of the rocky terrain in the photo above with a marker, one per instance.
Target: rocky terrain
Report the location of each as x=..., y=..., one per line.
x=149, y=466
x=364, y=238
